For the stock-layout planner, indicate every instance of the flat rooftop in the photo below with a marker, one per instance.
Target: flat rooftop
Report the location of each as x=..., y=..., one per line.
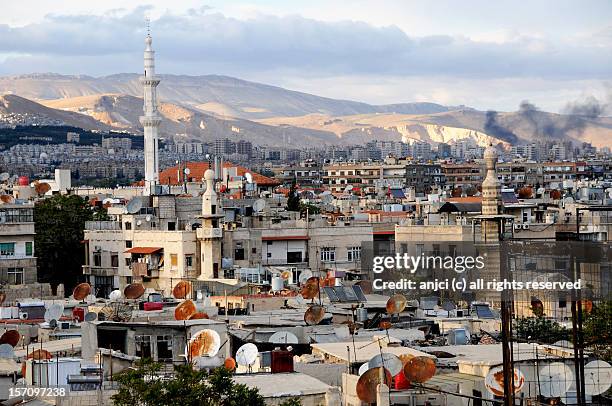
x=284, y=384
x=363, y=351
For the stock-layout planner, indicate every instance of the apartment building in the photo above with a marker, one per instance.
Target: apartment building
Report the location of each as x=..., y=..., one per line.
x=17, y=255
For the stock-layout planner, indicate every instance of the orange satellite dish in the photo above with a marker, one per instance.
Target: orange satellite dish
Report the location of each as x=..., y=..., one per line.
x=10, y=337
x=396, y=304
x=81, y=291
x=40, y=354
x=7, y=199
x=369, y=380
x=420, y=369
x=314, y=315
x=133, y=291
x=181, y=289
x=230, y=364
x=310, y=289
x=198, y=316
x=385, y=324
x=42, y=188
x=185, y=310
x=205, y=343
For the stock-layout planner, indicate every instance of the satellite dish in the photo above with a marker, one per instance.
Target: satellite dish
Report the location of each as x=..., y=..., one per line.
x=181, y=289
x=115, y=295
x=7, y=351
x=119, y=312
x=91, y=298
x=133, y=291
x=259, y=205
x=54, y=312
x=205, y=343
x=369, y=381
x=134, y=206
x=40, y=354
x=148, y=218
x=81, y=291
x=7, y=199
x=248, y=177
x=555, y=379
x=283, y=337
x=304, y=276
x=348, y=188
x=4, y=176
x=199, y=316
x=10, y=337
x=396, y=304
x=494, y=381
x=247, y=354
x=310, y=288
x=314, y=314
x=597, y=377
x=187, y=171
x=363, y=368
x=41, y=188
x=91, y=316
x=389, y=361
x=2, y=297
x=185, y=310
x=138, y=222
x=53, y=323
x=285, y=275
x=420, y=369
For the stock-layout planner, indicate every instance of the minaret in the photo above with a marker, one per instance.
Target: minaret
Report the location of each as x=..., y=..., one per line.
x=210, y=234
x=491, y=197
x=150, y=120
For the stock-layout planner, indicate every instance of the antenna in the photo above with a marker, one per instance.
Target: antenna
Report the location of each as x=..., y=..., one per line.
x=247, y=354
x=148, y=25
x=555, y=379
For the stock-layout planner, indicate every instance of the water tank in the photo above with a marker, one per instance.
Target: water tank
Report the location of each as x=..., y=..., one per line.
x=277, y=284
x=362, y=314
x=23, y=181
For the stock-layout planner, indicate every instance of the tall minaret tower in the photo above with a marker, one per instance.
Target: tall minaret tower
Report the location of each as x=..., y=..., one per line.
x=491, y=197
x=150, y=120
x=210, y=234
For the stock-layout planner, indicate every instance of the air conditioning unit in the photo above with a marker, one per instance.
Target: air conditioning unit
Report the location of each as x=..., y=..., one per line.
x=526, y=226
x=517, y=226
x=64, y=325
x=23, y=316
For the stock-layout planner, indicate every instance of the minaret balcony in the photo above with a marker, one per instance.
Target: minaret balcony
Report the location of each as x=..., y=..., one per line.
x=149, y=81
x=150, y=121
x=207, y=233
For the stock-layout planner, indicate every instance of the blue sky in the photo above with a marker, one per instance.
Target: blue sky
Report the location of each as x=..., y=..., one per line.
x=486, y=54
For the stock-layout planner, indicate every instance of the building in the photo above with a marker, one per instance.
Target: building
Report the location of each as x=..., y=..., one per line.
x=17, y=256
x=150, y=120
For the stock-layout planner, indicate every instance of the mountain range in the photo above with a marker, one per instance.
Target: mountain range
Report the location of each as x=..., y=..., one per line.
x=208, y=107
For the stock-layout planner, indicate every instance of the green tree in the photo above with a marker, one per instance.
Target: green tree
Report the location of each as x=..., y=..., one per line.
x=59, y=222
x=293, y=201
x=597, y=329
x=540, y=329
x=142, y=387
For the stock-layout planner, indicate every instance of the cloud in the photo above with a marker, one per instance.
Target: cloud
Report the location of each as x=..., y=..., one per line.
x=203, y=41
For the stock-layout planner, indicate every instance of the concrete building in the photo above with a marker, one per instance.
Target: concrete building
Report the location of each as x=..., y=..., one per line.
x=150, y=120
x=17, y=255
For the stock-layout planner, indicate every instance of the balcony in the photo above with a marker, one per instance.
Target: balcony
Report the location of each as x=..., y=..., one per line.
x=208, y=233
x=99, y=270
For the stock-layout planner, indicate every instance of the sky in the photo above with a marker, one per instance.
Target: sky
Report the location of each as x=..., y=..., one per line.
x=480, y=53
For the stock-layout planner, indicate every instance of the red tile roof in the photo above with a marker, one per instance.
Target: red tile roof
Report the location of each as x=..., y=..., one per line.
x=144, y=250
x=197, y=169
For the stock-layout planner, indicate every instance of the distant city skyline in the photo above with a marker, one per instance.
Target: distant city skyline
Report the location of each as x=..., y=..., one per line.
x=488, y=55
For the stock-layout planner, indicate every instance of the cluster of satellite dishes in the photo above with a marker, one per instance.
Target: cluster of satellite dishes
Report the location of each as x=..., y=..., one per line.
x=8, y=342
x=385, y=367
x=186, y=310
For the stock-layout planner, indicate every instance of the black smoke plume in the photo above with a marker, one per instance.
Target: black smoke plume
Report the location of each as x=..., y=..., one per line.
x=494, y=129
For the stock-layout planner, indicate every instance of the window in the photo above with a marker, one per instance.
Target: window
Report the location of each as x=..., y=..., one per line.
x=128, y=225
x=328, y=254
x=128, y=244
x=97, y=256
x=143, y=346
x=7, y=248
x=354, y=254
x=171, y=226
x=114, y=260
x=164, y=348
x=29, y=248
x=189, y=261
x=15, y=276
x=239, y=254
x=128, y=261
x=254, y=250
x=294, y=257
x=173, y=260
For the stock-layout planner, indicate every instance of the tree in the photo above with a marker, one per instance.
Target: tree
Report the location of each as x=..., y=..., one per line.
x=293, y=201
x=597, y=329
x=540, y=329
x=59, y=222
x=142, y=387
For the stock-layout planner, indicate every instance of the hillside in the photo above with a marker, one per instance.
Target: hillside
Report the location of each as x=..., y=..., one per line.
x=221, y=95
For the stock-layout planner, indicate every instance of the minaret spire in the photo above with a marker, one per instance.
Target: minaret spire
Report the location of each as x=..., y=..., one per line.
x=150, y=120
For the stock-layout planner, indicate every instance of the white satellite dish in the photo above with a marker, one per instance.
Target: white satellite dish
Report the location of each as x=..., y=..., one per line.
x=4, y=176
x=363, y=368
x=597, y=377
x=283, y=337
x=138, y=222
x=390, y=362
x=54, y=312
x=148, y=218
x=115, y=295
x=91, y=299
x=494, y=381
x=555, y=379
x=134, y=206
x=248, y=177
x=7, y=351
x=187, y=171
x=304, y=275
x=348, y=188
x=247, y=354
x=259, y=205
x=108, y=200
